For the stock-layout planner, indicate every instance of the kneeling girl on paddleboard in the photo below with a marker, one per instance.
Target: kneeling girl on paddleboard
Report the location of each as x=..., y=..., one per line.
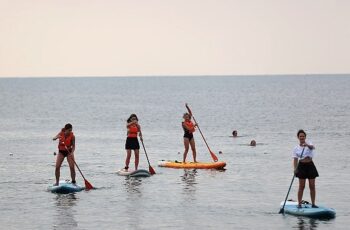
x=189, y=129
x=66, y=147
x=132, y=142
x=305, y=169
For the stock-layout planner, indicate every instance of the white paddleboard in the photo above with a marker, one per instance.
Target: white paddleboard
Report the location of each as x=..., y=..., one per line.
x=135, y=173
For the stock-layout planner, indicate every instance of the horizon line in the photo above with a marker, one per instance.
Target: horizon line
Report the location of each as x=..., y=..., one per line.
x=180, y=75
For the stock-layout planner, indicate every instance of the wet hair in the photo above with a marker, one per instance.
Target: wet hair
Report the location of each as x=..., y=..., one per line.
x=252, y=143
x=132, y=116
x=301, y=131
x=68, y=126
x=187, y=114
x=234, y=132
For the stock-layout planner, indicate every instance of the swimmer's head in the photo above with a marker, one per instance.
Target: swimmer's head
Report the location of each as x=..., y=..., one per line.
x=252, y=143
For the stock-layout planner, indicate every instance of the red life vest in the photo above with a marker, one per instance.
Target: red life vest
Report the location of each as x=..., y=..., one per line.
x=133, y=130
x=189, y=126
x=65, y=142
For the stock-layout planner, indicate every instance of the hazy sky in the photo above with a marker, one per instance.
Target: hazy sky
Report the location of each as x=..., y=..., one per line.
x=177, y=37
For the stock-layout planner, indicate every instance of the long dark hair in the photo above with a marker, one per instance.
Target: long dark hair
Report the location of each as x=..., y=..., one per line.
x=132, y=116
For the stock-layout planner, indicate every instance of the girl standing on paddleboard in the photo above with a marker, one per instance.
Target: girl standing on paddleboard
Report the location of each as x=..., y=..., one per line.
x=132, y=142
x=189, y=128
x=66, y=147
x=305, y=169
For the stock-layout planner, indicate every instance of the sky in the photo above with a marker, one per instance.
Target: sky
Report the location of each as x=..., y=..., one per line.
x=44, y=38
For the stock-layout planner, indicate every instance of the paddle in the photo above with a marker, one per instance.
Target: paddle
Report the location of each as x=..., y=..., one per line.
x=150, y=169
x=211, y=152
x=290, y=186
x=88, y=186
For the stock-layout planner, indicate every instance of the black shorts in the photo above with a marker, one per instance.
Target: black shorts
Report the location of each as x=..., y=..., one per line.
x=132, y=143
x=306, y=171
x=64, y=152
x=189, y=136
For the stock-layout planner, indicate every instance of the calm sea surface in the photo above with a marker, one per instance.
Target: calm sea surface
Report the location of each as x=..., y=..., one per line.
x=246, y=196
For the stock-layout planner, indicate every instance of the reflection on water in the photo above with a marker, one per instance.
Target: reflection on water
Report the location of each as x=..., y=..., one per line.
x=133, y=199
x=64, y=219
x=133, y=185
x=189, y=179
x=306, y=223
x=189, y=186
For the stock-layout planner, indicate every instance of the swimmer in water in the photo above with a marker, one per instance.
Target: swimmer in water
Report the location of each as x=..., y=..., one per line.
x=234, y=133
x=253, y=143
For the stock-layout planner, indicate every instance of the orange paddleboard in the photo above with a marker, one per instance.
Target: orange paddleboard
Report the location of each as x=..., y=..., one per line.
x=192, y=165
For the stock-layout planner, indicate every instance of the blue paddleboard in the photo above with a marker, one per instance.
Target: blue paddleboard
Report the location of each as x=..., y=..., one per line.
x=307, y=210
x=65, y=187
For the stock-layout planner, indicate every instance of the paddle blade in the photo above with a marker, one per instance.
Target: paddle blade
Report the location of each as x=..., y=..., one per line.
x=151, y=170
x=88, y=186
x=188, y=109
x=215, y=158
x=281, y=211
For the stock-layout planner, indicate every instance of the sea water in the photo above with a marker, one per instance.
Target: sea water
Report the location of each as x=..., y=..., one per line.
x=268, y=109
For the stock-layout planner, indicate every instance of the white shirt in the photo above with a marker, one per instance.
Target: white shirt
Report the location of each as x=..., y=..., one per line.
x=307, y=152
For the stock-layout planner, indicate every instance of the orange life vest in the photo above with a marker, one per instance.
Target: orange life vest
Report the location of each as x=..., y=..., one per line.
x=190, y=126
x=133, y=130
x=65, y=142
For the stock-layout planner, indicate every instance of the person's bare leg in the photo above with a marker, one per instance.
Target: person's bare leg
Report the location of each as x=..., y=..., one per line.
x=59, y=160
x=301, y=190
x=127, y=160
x=312, y=187
x=70, y=159
x=186, y=144
x=137, y=158
x=194, y=152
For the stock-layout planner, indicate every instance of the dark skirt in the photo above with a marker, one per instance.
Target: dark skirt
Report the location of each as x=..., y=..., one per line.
x=132, y=143
x=306, y=171
x=64, y=152
x=188, y=135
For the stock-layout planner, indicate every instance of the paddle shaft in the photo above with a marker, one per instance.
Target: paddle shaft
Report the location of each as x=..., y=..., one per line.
x=200, y=131
x=79, y=169
x=145, y=152
x=151, y=170
x=81, y=173
x=290, y=186
x=213, y=156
